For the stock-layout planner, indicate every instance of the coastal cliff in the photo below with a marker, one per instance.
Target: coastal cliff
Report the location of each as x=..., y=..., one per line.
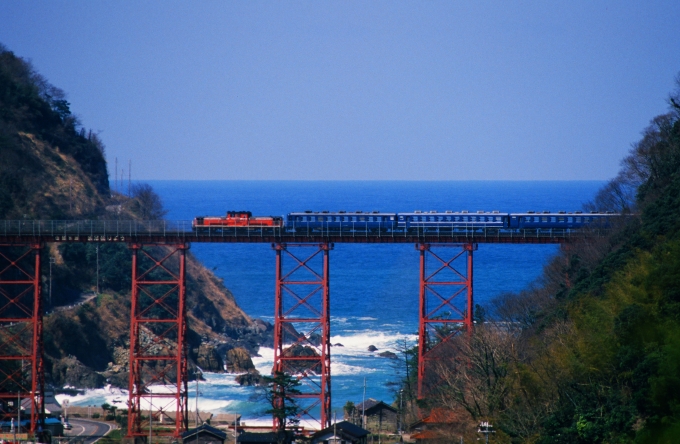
x=51, y=167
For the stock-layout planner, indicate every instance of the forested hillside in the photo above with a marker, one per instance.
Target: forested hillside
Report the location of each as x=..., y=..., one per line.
x=51, y=167
x=591, y=353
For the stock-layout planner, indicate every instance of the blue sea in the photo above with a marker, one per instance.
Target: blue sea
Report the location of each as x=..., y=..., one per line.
x=374, y=288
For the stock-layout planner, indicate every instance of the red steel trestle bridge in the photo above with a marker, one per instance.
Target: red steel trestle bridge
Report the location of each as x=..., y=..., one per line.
x=158, y=349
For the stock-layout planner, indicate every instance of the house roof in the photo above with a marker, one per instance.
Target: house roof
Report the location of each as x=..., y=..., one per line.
x=205, y=428
x=438, y=416
x=343, y=429
x=371, y=403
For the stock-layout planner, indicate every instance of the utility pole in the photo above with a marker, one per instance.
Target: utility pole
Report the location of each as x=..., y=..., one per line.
x=150, y=415
x=197, y=415
x=486, y=429
x=363, y=407
x=401, y=411
x=129, y=178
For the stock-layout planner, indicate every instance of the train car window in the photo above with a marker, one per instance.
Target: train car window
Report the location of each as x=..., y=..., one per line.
x=544, y=219
x=570, y=220
x=560, y=219
x=401, y=217
x=552, y=219
x=586, y=219
x=370, y=218
x=536, y=218
x=354, y=218
x=578, y=220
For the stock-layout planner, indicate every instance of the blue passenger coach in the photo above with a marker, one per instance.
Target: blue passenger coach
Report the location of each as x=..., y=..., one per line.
x=451, y=221
x=437, y=221
x=319, y=221
x=560, y=220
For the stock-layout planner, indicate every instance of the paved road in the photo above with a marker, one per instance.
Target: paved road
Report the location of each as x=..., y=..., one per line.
x=86, y=430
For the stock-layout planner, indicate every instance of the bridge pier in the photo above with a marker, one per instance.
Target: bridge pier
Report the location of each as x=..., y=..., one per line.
x=22, y=374
x=158, y=349
x=302, y=317
x=446, y=302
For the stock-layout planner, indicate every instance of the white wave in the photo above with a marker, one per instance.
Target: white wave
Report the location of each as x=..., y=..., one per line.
x=265, y=361
x=357, y=343
x=342, y=369
x=366, y=318
x=96, y=397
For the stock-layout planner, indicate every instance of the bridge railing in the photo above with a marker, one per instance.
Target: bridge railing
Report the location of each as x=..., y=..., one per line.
x=95, y=227
x=183, y=229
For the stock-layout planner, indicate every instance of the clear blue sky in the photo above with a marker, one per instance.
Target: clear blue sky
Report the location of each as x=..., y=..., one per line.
x=346, y=90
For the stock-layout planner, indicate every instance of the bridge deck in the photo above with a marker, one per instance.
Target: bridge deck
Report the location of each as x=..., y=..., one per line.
x=171, y=232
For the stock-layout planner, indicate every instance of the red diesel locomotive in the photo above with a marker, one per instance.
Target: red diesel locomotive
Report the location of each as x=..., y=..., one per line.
x=237, y=219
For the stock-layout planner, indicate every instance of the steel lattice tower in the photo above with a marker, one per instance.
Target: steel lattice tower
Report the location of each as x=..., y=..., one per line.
x=302, y=325
x=21, y=335
x=158, y=349
x=446, y=302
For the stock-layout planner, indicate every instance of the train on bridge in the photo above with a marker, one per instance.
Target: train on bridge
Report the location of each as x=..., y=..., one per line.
x=421, y=221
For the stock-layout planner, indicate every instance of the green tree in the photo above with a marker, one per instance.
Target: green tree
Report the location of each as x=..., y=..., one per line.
x=280, y=392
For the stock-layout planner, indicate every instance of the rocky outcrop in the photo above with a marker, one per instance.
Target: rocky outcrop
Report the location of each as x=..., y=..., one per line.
x=238, y=361
x=208, y=359
x=69, y=371
x=372, y=348
x=301, y=366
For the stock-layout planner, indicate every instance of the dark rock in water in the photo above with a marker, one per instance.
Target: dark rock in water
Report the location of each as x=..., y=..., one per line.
x=249, y=379
x=208, y=359
x=238, y=361
x=372, y=348
x=314, y=339
x=302, y=365
x=338, y=345
x=388, y=354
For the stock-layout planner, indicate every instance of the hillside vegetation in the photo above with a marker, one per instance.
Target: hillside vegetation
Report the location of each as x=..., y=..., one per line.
x=53, y=168
x=591, y=353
